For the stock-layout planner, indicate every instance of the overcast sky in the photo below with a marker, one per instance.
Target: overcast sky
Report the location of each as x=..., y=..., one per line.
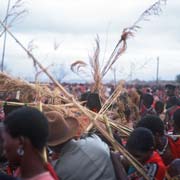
x=74, y=24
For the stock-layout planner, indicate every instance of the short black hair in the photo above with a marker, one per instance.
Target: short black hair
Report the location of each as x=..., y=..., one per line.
x=9, y=108
x=141, y=140
x=93, y=102
x=153, y=123
x=148, y=99
x=159, y=107
x=170, y=86
x=84, y=96
x=176, y=118
x=28, y=122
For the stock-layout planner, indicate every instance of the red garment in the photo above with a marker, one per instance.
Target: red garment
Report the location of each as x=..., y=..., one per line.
x=51, y=171
x=142, y=109
x=156, y=166
x=155, y=169
x=174, y=144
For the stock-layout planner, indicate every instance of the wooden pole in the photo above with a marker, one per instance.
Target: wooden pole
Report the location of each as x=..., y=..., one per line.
x=157, y=71
x=5, y=38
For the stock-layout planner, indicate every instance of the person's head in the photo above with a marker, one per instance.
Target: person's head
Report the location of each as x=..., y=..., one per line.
x=84, y=97
x=176, y=119
x=61, y=129
x=94, y=102
x=147, y=100
x=9, y=108
x=174, y=169
x=141, y=144
x=149, y=91
x=25, y=130
x=170, y=89
x=154, y=124
x=159, y=107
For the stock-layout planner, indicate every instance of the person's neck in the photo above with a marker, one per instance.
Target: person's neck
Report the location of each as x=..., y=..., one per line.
x=58, y=148
x=31, y=165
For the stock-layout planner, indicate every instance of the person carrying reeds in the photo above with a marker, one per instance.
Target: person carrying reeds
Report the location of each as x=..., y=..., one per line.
x=83, y=159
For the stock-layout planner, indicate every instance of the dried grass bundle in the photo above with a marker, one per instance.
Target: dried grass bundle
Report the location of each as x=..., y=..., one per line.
x=117, y=52
x=95, y=69
x=76, y=66
x=28, y=92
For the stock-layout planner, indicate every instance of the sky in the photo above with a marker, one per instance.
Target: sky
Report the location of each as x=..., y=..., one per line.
x=73, y=25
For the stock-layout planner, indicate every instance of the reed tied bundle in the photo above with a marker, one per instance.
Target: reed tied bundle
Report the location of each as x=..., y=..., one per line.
x=28, y=92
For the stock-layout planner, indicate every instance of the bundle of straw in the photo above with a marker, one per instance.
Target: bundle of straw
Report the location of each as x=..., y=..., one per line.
x=28, y=91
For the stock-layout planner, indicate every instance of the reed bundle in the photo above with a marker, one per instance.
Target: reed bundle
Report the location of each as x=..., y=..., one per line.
x=28, y=91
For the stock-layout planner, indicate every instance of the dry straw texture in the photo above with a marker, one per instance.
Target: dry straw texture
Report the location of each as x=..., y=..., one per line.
x=28, y=92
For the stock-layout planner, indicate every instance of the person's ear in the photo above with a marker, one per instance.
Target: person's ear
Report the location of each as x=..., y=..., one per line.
x=20, y=149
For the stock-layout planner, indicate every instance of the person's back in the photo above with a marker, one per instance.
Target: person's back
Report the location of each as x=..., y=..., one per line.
x=85, y=159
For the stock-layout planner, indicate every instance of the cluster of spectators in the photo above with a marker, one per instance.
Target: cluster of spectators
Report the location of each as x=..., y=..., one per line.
x=44, y=146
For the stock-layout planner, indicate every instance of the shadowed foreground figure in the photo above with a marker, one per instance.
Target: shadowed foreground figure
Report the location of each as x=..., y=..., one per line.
x=24, y=138
x=141, y=145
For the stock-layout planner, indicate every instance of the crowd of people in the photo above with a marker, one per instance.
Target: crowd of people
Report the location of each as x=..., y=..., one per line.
x=37, y=145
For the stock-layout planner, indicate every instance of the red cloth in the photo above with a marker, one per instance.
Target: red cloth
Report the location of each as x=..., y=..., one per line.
x=51, y=170
x=142, y=109
x=174, y=144
x=159, y=169
x=154, y=166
